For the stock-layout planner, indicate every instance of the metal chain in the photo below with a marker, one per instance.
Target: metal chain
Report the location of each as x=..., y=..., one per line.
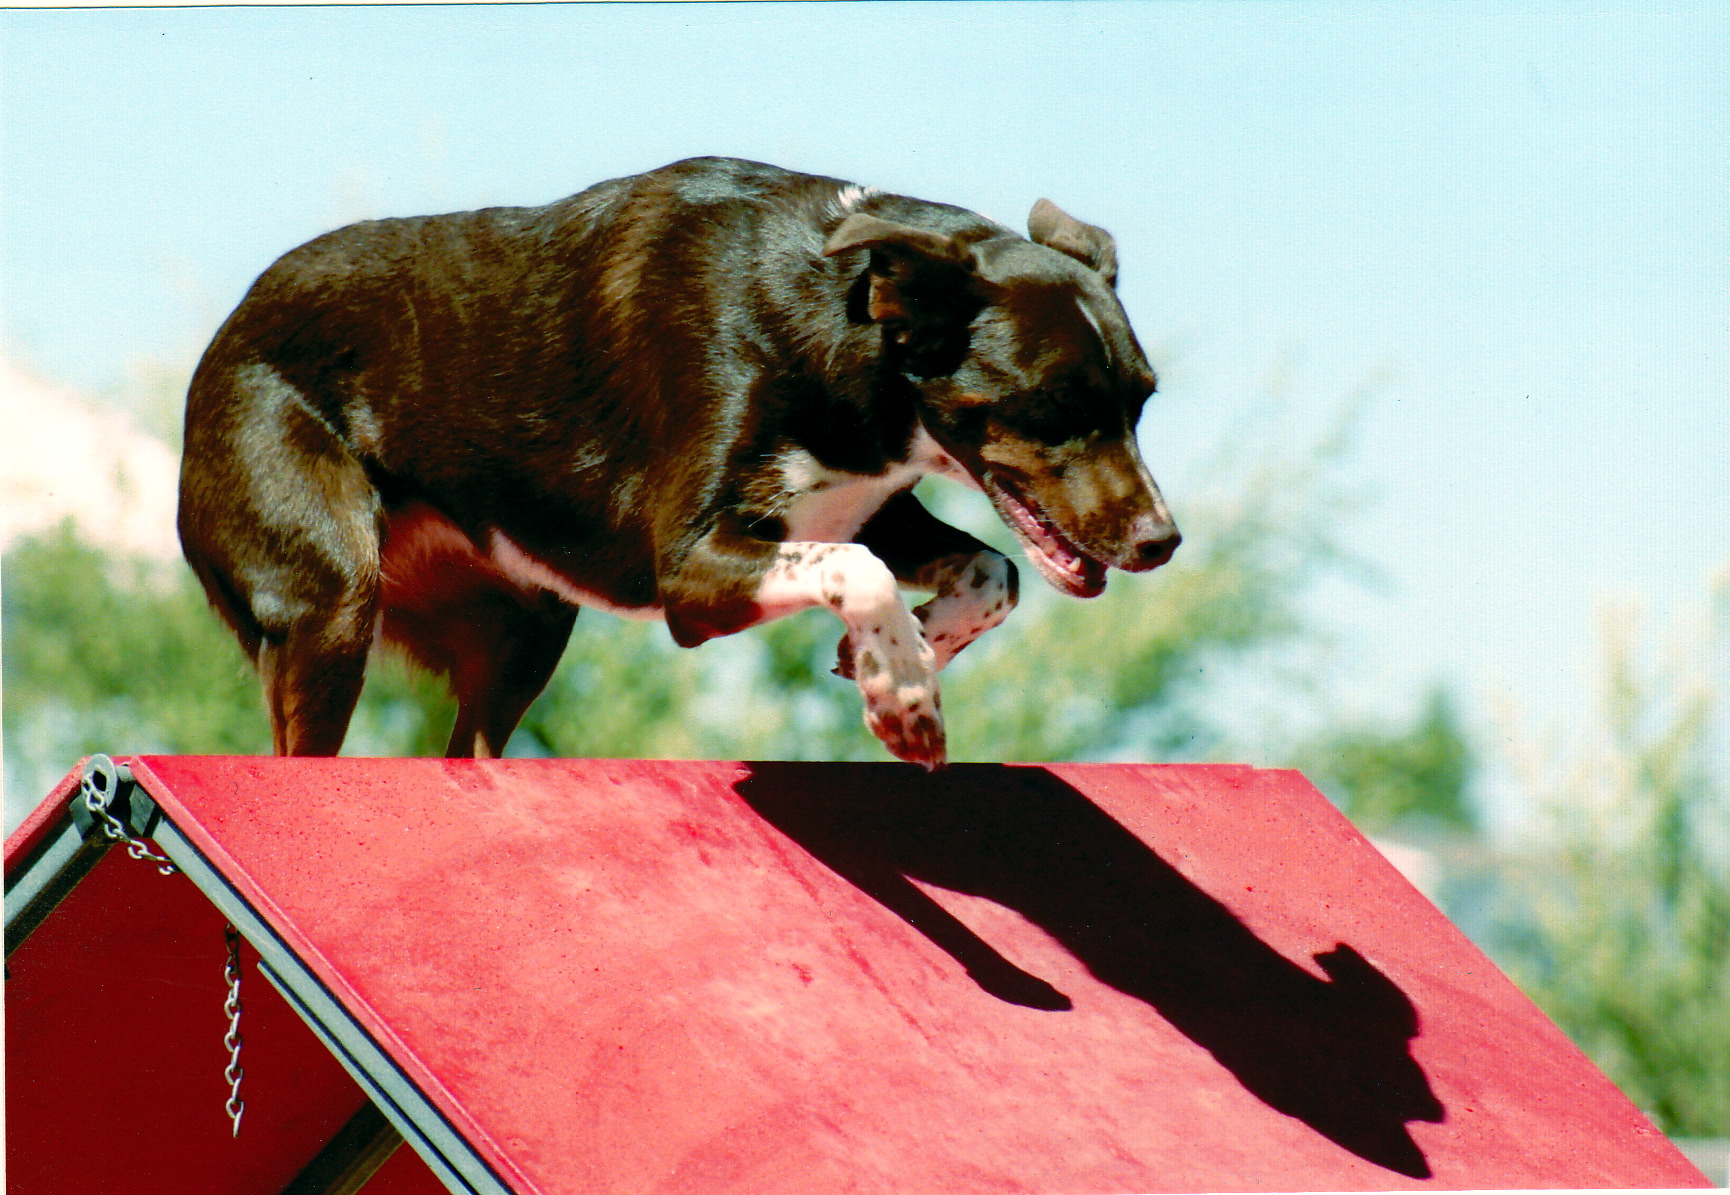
x=116, y=831
x=231, y=1006
x=97, y=806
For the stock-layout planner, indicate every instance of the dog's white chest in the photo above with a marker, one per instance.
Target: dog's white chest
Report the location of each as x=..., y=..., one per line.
x=829, y=506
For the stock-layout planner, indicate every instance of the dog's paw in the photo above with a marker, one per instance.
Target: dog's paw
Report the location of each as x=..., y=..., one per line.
x=902, y=705
x=913, y=732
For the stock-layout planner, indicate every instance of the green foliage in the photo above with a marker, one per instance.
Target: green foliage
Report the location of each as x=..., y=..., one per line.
x=1414, y=780
x=103, y=654
x=623, y=690
x=1619, y=925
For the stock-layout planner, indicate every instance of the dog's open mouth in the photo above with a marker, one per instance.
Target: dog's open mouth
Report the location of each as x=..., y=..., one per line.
x=1066, y=566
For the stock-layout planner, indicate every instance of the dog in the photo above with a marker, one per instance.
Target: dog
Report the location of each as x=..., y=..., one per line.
x=701, y=394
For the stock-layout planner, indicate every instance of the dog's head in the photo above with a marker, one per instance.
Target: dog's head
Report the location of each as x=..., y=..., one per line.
x=1031, y=379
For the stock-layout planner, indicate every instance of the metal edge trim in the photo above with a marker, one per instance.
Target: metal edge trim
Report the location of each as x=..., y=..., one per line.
x=35, y=873
x=36, y=887
x=449, y=1154
x=382, y=1094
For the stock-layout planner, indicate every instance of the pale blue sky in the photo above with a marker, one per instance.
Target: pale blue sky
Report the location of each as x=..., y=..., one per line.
x=1523, y=212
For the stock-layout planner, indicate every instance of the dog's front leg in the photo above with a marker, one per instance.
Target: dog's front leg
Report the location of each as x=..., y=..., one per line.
x=727, y=584
x=974, y=586
x=893, y=664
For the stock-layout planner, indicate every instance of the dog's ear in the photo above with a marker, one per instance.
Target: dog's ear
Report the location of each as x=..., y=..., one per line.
x=862, y=231
x=916, y=274
x=1051, y=226
x=921, y=286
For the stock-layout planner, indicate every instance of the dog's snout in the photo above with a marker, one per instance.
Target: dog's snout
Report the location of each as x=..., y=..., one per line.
x=1152, y=552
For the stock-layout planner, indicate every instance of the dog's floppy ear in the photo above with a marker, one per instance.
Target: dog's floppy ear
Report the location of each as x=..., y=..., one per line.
x=910, y=268
x=1051, y=226
x=921, y=287
x=863, y=231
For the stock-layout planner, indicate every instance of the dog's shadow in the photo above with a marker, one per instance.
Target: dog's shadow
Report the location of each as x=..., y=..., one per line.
x=1332, y=1053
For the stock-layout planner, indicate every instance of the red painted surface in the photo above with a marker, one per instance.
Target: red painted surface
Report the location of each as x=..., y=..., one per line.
x=114, y=1054
x=631, y=976
x=42, y=820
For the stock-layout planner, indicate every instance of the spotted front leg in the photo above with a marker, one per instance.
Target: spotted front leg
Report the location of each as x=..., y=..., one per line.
x=971, y=594
x=891, y=662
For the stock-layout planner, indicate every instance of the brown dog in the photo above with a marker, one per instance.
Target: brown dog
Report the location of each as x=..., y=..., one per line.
x=701, y=394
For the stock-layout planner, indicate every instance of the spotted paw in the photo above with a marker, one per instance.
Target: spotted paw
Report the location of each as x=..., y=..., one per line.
x=913, y=732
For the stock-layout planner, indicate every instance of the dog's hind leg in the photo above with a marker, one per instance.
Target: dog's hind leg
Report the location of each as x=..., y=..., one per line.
x=517, y=648
x=280, y=523
x=312, y=678
x=456, y=613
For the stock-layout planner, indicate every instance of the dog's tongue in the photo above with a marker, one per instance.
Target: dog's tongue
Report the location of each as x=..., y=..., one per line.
x=1066, y=566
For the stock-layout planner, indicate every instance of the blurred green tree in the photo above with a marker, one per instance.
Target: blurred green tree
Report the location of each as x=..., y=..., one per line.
x=1414, y=780
x=1616, y=915
x=106, y=653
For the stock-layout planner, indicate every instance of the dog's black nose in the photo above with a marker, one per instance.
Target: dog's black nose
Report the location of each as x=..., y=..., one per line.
x=1151, y=553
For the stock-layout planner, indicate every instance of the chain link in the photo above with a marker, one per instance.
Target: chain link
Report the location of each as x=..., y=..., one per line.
x=112, y=826
x=231, y=1006
x=96, y=804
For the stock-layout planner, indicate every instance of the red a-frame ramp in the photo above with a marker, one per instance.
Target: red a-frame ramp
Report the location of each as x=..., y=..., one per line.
x=623, y=976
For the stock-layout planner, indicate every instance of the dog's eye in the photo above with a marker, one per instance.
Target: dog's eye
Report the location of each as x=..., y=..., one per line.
x=1057, y=414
